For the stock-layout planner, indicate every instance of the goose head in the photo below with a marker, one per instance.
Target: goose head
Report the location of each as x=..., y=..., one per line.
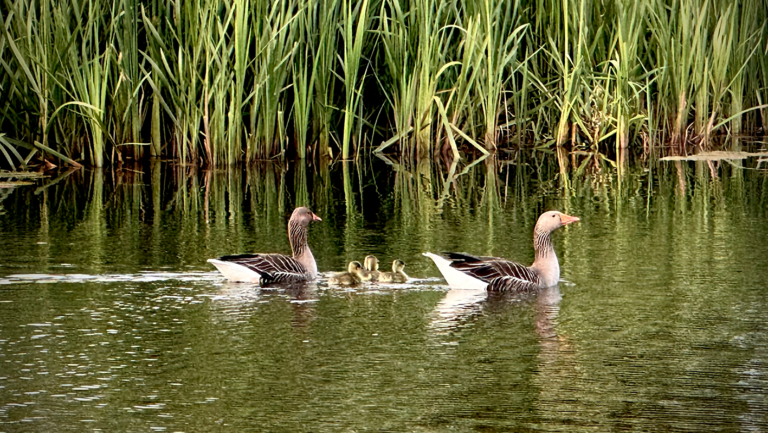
x=304, y=216
x=553, y=220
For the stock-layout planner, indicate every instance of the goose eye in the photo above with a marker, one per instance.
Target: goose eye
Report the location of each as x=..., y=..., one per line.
x=554, y=216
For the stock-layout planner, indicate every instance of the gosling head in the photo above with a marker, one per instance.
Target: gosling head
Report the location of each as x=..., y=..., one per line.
x=371, y=263
x=354, y=267
x=398, y=265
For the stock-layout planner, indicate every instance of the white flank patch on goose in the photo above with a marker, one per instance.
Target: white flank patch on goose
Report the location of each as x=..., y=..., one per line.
x=236, y=273
x=455, y=278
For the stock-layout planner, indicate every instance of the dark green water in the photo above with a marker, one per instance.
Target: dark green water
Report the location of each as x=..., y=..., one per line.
x=111, y=320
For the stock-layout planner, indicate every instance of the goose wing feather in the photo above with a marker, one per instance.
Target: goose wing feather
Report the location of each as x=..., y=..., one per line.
x=501, y=274
x=273, y=268
x=509, y=284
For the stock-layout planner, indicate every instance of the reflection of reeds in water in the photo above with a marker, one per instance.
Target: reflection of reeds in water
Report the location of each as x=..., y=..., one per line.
x=93, y=224
x=414, y=192
x=349, y=195
x=301, y=189
x=425, y=190
x=483, y=205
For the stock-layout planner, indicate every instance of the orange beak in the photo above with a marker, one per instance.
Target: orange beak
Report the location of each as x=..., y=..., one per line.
x=317, y=218
x=567, y=219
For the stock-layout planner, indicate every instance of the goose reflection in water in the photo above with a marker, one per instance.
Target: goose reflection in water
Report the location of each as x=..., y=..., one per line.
x=457, y=307
x=460, y=307
x=237, y=300
x=303, y=298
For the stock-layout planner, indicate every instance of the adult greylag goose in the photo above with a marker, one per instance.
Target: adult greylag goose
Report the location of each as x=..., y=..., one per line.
x=349, y=278
x=396, y=276
x=371, y=271
x=464, y=271
x=275, y=268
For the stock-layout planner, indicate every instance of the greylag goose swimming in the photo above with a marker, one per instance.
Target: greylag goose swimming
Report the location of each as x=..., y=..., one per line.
x=349, y=278
x=275, y=268
x=464, y=271
x=396, y=276
x=371, y=271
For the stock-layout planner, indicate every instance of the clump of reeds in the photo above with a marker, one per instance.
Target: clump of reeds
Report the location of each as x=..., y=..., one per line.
x=218, y=82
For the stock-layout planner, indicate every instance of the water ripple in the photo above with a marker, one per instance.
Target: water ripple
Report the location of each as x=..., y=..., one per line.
x=142, y=277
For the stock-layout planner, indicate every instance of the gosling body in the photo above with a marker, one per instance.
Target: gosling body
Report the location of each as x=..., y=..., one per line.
x=396, y=276
x=371, y=271
x=349, y=278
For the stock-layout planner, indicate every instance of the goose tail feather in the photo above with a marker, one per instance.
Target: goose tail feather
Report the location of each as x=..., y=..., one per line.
x=455, y=278
x=235, y=272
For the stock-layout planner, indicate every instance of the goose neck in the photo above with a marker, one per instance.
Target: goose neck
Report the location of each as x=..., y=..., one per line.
x=542, y=245
x=297, y=236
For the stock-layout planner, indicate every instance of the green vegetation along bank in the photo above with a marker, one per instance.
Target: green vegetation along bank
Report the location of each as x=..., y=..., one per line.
x=219, y=82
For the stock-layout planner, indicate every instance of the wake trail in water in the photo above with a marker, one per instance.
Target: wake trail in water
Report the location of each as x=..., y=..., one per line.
x=141, y=277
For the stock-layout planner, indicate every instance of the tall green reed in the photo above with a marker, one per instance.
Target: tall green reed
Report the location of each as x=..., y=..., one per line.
x=241, y=39
x=626, y=66
x=303, y=79
x=399, y=51
x=223, y=81
x=431, y=62
x=175, y=55
x=501, y=36
x=125, y=123
x=88, y=69
x=355, y=23
x=566, y=54
x=744, y=77
x=32, y=59
x=326, y=14
x=274, y=26
x=678, y=43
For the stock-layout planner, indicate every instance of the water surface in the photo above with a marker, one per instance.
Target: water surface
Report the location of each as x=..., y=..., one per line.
x=111, y=320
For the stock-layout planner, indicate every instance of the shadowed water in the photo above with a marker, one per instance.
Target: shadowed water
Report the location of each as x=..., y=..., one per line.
x=111, y=320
